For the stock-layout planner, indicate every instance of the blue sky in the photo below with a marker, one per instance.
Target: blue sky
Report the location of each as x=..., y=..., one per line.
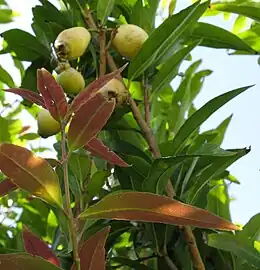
x=230, y=72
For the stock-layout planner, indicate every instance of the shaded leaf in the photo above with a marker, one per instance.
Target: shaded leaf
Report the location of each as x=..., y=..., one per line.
x=251, y=231
x=23, y=261
x=7, y=186
x=148, y=207
x=29, y=95
x=89, y=120
x=164, y=37
x=201, y=115
x=97, y=148
x=92, y=252
x=104, y=9
x=30, y=172
x=28, y=48
x=52, y=94
x=37, y=247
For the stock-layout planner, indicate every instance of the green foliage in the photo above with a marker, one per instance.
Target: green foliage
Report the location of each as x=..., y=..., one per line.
x=109, y=190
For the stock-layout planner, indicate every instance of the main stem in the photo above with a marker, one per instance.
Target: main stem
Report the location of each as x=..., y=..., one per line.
x=72, y=227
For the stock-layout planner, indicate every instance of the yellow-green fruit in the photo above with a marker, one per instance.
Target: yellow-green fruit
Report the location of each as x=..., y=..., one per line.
x=115, y=89
x=72, y=43
x=129, y=39
x=71, y=81
x=47, y=125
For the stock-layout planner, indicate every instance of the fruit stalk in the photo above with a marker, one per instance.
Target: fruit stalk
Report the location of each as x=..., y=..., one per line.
x=72, y=227
x=102, y=46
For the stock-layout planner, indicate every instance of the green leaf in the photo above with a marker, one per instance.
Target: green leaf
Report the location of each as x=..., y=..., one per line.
x=170, y=68
x=251, y=231
x=144, y=13
x=216, y=37
x=218, y=199
x=239, y=24
x=246, y=8
x=28, y=48
x=6, y=15
x=6, y=78
x=233, y=244
x=23, y=261
x=131, y=263
x=104, y=9
x=200, y=116
x=95, y=184
x=164, y=37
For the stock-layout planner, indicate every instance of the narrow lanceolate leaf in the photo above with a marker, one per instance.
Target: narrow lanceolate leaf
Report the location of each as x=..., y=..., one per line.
x=170, y=69
x=149, y=207
x=37, y=247
x=52, y=94
x=89, y=120
x=201, y=115
x=92, y=252
x=248, y=9
x=217, y=37
x=23, y=261
x=27, y=94
x=97, y=148
x=30, y=172
x=104, y=9
x=7, y=186
x=168, y=34
x=91, y=90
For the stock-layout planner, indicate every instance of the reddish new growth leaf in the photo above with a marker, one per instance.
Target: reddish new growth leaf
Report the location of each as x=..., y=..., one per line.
x=97, y=148
x=37, y=247
x=6, y=186
x=52, y=94
x=27, y=94
x=89, y=120
x=90, y=91
x=24, y=129
x=92, y=252
x=149, y=207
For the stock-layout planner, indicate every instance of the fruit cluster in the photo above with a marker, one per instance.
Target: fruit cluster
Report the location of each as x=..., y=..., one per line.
x=71, y=44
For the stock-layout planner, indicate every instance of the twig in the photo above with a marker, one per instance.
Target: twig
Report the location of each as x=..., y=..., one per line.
x=146, y=101
x=102, y=52
x=72, y=227
x=170, y=263
x=147, y=131
x=193, y=249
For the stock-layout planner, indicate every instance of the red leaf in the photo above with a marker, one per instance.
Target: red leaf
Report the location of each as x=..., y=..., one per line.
x=149, y=207
x=30, y=95
x=97, y=148
x=37, y=247
x=24, y=129
x=6, y=186
x=92, y=252
x=90, y=91
x=52, y=94
x=89, y=120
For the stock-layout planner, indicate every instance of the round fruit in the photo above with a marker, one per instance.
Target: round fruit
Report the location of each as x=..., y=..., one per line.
x=115, y=89
x=129, y=39
x=71, y=81
x=47, y=125
x=72, y=43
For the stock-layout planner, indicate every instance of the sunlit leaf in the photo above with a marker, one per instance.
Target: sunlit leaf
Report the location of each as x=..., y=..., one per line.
x=35, y=246
x=104, y=8
x=5, y=77
x=30, y=172
x=29, y=95
x=23, y=261
x=89, y=120
x=52, y=94
x=148, y=207
x=92, y=252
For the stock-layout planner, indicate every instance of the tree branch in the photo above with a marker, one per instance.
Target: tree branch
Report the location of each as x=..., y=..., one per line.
x=102, y=52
